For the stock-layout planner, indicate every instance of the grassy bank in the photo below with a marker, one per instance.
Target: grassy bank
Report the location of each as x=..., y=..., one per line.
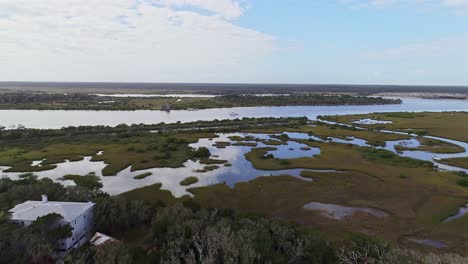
x=457, y=162
x=446, y=124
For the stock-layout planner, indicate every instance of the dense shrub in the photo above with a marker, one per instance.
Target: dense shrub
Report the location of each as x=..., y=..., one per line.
x=202, y=152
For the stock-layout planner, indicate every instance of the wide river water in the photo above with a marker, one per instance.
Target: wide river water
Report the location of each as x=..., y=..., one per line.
x=59, y=119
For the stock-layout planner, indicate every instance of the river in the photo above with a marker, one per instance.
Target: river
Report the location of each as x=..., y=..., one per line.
x=58, y=119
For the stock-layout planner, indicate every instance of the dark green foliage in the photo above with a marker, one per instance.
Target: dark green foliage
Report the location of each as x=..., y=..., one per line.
x=89, y=181
x=49, y=226
x=282, y=137
x=187, y=236
x=143, y=175
x=126, y=131
x=306, y=99
x=210, y=167
x=463, y=182
x=202, y=152
x=212, y=161
x=112, y=253
x=42, y=101
x=115, y=215
x=388, y=157
x=15, y=192
x=33, y=244
x=189, y=181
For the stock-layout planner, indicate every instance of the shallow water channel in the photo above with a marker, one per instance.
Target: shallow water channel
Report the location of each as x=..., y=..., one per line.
x=238, y=169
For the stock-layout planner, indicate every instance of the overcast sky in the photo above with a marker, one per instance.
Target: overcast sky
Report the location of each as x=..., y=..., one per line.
x=255, y=41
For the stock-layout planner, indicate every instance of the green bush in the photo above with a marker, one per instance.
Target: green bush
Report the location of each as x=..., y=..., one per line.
x=463, y=182
x=202, y=152
x=189, y=181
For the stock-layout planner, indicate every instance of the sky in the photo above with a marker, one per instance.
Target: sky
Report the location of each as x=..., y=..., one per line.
x=407, y=42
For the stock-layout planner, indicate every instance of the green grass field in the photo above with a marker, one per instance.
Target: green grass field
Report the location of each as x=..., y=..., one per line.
x=451, y=125
x=457, y=162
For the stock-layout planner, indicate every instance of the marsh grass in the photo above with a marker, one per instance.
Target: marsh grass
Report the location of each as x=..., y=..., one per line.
x=90, y=180
x=143, y=176
x=189, y=181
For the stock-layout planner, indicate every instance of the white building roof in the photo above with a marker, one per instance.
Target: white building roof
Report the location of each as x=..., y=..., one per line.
x=100, y=239
x=31, y=210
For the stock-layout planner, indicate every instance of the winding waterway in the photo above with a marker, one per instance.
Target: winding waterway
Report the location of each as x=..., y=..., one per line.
x=239, y=169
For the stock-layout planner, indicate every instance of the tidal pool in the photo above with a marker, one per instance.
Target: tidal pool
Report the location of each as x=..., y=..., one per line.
x=428, y=242
x=369, y=121
x=461, y=212
x=241, y=170
x=335, y=211
x=293, y=150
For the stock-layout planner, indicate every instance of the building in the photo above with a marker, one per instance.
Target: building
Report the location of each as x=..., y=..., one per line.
x=100, y=239
x=78, y=215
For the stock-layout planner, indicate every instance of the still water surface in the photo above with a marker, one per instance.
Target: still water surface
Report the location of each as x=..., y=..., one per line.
x=241, y=170
x=59, y=119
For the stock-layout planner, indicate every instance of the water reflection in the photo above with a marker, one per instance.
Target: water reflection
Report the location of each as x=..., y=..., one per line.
x=335, y=211
x=59, y=119
x=241, y=170
x=369, y=121
x=461, y=212
x=294, y=150
x=428, y=242
x=170, y=178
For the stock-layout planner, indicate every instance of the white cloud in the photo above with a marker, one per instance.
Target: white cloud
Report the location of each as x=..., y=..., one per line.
x=125, y=40
x=457, y=6
x=227, y=8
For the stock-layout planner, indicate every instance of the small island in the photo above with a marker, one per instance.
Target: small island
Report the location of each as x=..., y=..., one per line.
x=80, y=101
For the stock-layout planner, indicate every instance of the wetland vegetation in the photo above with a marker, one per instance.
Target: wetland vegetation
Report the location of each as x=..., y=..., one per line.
x=121, y=147
x=449, y=125
x=415, y=196
x=189, y=181
x=160, y=233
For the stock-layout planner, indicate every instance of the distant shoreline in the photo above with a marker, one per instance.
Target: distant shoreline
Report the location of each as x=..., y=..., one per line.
x=453, y=96
x=225, y=88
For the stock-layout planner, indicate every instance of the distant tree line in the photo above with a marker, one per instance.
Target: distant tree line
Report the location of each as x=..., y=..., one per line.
x=124, y=130
x=291, y=100
x=226, y=89
x=28, y=97
x=306, y=100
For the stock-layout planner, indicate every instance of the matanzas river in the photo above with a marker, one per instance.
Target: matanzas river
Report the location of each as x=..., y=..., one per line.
x=59, y=119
